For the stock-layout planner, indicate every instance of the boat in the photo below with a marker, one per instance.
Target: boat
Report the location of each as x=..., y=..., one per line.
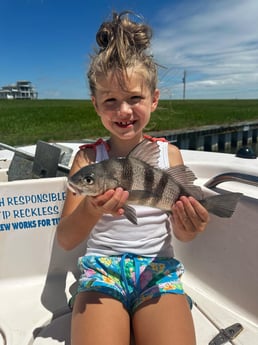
x=38, y=278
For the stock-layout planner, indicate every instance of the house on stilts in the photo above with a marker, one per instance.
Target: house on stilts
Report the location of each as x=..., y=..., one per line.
x=23, y=89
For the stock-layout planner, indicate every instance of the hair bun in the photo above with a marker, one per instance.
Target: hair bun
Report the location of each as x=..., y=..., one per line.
x=121, y=29
x=105, y=35
x=122, y=46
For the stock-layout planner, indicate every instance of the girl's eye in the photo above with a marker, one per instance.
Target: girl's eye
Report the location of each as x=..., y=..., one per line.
x=135, y=99
x=110, y=100
x=114, y=103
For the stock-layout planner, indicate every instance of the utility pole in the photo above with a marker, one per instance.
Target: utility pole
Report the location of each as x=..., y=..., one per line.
x=184, y=83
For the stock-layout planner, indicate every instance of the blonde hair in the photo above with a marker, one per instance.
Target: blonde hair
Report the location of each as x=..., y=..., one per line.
x=123, y=44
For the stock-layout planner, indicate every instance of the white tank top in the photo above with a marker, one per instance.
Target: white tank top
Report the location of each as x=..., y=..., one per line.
x=117, y=235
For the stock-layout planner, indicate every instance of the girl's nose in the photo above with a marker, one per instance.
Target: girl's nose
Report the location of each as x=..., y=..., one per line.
x=125, y=108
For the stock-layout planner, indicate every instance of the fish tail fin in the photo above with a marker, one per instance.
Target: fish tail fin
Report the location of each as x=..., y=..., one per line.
x=222, y=205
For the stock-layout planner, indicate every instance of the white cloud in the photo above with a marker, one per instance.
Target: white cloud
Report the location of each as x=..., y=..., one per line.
x=216, y=42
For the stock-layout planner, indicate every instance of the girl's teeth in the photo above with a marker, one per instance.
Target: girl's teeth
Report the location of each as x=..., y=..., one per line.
x=125, y=124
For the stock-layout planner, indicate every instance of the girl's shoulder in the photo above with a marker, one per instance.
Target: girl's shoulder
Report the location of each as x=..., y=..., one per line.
x=154, y=139
x=87, y=153
x=174, y=152
x=94, y=145
x=174, y=155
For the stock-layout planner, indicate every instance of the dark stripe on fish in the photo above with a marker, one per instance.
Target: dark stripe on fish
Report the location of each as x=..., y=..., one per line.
x=160, y=188
x=148, y=178
x=127, y=174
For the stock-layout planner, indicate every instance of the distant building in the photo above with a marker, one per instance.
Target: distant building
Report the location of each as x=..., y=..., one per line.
x=21, y=90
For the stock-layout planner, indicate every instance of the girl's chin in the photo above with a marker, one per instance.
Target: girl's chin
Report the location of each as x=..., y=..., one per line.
x=127, y=134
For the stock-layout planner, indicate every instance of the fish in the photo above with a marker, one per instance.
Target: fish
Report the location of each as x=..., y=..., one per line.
x=147, y=184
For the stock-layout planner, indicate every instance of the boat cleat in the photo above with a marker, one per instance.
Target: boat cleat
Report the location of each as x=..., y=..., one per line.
x=227, y=334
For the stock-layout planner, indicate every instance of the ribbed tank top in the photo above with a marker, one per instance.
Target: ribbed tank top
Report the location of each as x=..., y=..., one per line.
x=116, y=235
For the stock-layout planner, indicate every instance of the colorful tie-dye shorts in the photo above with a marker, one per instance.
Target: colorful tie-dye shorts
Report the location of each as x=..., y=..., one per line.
x=130, y=278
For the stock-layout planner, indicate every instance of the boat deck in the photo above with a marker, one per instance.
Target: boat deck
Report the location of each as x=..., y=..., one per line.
x=38, y=278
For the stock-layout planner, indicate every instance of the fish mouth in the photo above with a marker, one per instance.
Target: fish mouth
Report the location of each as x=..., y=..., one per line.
x=73, y=188
x=125, y=124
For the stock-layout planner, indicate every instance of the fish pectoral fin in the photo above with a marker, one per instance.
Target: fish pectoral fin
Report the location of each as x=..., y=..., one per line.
x=222, y=205
x=130, y=214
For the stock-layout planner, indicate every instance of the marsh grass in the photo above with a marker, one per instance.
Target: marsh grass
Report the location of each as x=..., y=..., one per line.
x=24, y=122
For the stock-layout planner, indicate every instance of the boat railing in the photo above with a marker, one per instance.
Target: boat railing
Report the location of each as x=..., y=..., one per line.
x=232, y=177
x=22, y=153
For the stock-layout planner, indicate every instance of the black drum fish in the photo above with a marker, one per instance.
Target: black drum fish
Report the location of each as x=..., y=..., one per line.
x=147, y=184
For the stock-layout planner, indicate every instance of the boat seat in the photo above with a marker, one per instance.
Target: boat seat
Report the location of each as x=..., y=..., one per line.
x=20, y=168
x=44, y=164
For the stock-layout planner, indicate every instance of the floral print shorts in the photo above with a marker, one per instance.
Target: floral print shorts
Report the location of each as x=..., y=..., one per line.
x=130, y=278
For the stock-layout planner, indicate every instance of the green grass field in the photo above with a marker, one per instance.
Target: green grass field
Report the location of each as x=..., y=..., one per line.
x=24, y=122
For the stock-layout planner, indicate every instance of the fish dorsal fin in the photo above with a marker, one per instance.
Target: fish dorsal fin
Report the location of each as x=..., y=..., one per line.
x=146, y=151
x=181, y=174
x=185, y=177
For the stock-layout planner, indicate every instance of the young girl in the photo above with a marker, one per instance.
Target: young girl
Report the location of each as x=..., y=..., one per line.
x=129, y=276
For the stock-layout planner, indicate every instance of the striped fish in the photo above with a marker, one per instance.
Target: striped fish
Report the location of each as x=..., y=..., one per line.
x=147, y=184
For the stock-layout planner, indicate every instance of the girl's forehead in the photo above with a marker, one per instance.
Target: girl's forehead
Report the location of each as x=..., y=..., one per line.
x=118, y=82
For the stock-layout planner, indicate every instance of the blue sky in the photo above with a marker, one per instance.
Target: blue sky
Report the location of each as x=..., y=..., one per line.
x=215, y=41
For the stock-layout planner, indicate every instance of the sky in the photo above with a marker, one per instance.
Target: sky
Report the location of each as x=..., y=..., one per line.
x=214, y=42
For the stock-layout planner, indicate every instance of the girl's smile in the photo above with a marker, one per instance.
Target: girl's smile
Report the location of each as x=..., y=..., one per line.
x=127, y=124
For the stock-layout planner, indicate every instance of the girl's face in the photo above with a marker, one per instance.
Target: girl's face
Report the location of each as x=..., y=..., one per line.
x=124, y=111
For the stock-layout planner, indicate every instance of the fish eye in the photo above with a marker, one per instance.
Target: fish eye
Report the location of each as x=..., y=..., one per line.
x=89, y=179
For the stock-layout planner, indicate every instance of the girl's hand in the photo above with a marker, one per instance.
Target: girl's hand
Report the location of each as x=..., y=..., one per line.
x=189, y=218
x=111, y=201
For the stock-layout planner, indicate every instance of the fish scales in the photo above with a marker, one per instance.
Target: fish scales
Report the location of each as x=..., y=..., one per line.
x=122, y=172
x=161, y=187
x=150, y=184
x=153, y=187
x=149, y=178
x=127, y=173
x=136, y=175
x=147, y=184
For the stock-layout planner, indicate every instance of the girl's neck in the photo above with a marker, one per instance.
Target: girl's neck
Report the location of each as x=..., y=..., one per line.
x=120, y=148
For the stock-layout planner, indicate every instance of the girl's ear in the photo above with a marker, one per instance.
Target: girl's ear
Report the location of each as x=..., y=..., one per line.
x=93, y=99
x=155, y=100
x=94, y=102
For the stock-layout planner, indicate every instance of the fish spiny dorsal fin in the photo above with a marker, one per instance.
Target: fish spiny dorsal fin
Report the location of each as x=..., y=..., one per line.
x=146, y=151
x=185, y=177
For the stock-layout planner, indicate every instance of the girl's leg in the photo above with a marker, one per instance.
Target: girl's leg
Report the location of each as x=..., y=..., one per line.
x=99, y=320
x=165, y=320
